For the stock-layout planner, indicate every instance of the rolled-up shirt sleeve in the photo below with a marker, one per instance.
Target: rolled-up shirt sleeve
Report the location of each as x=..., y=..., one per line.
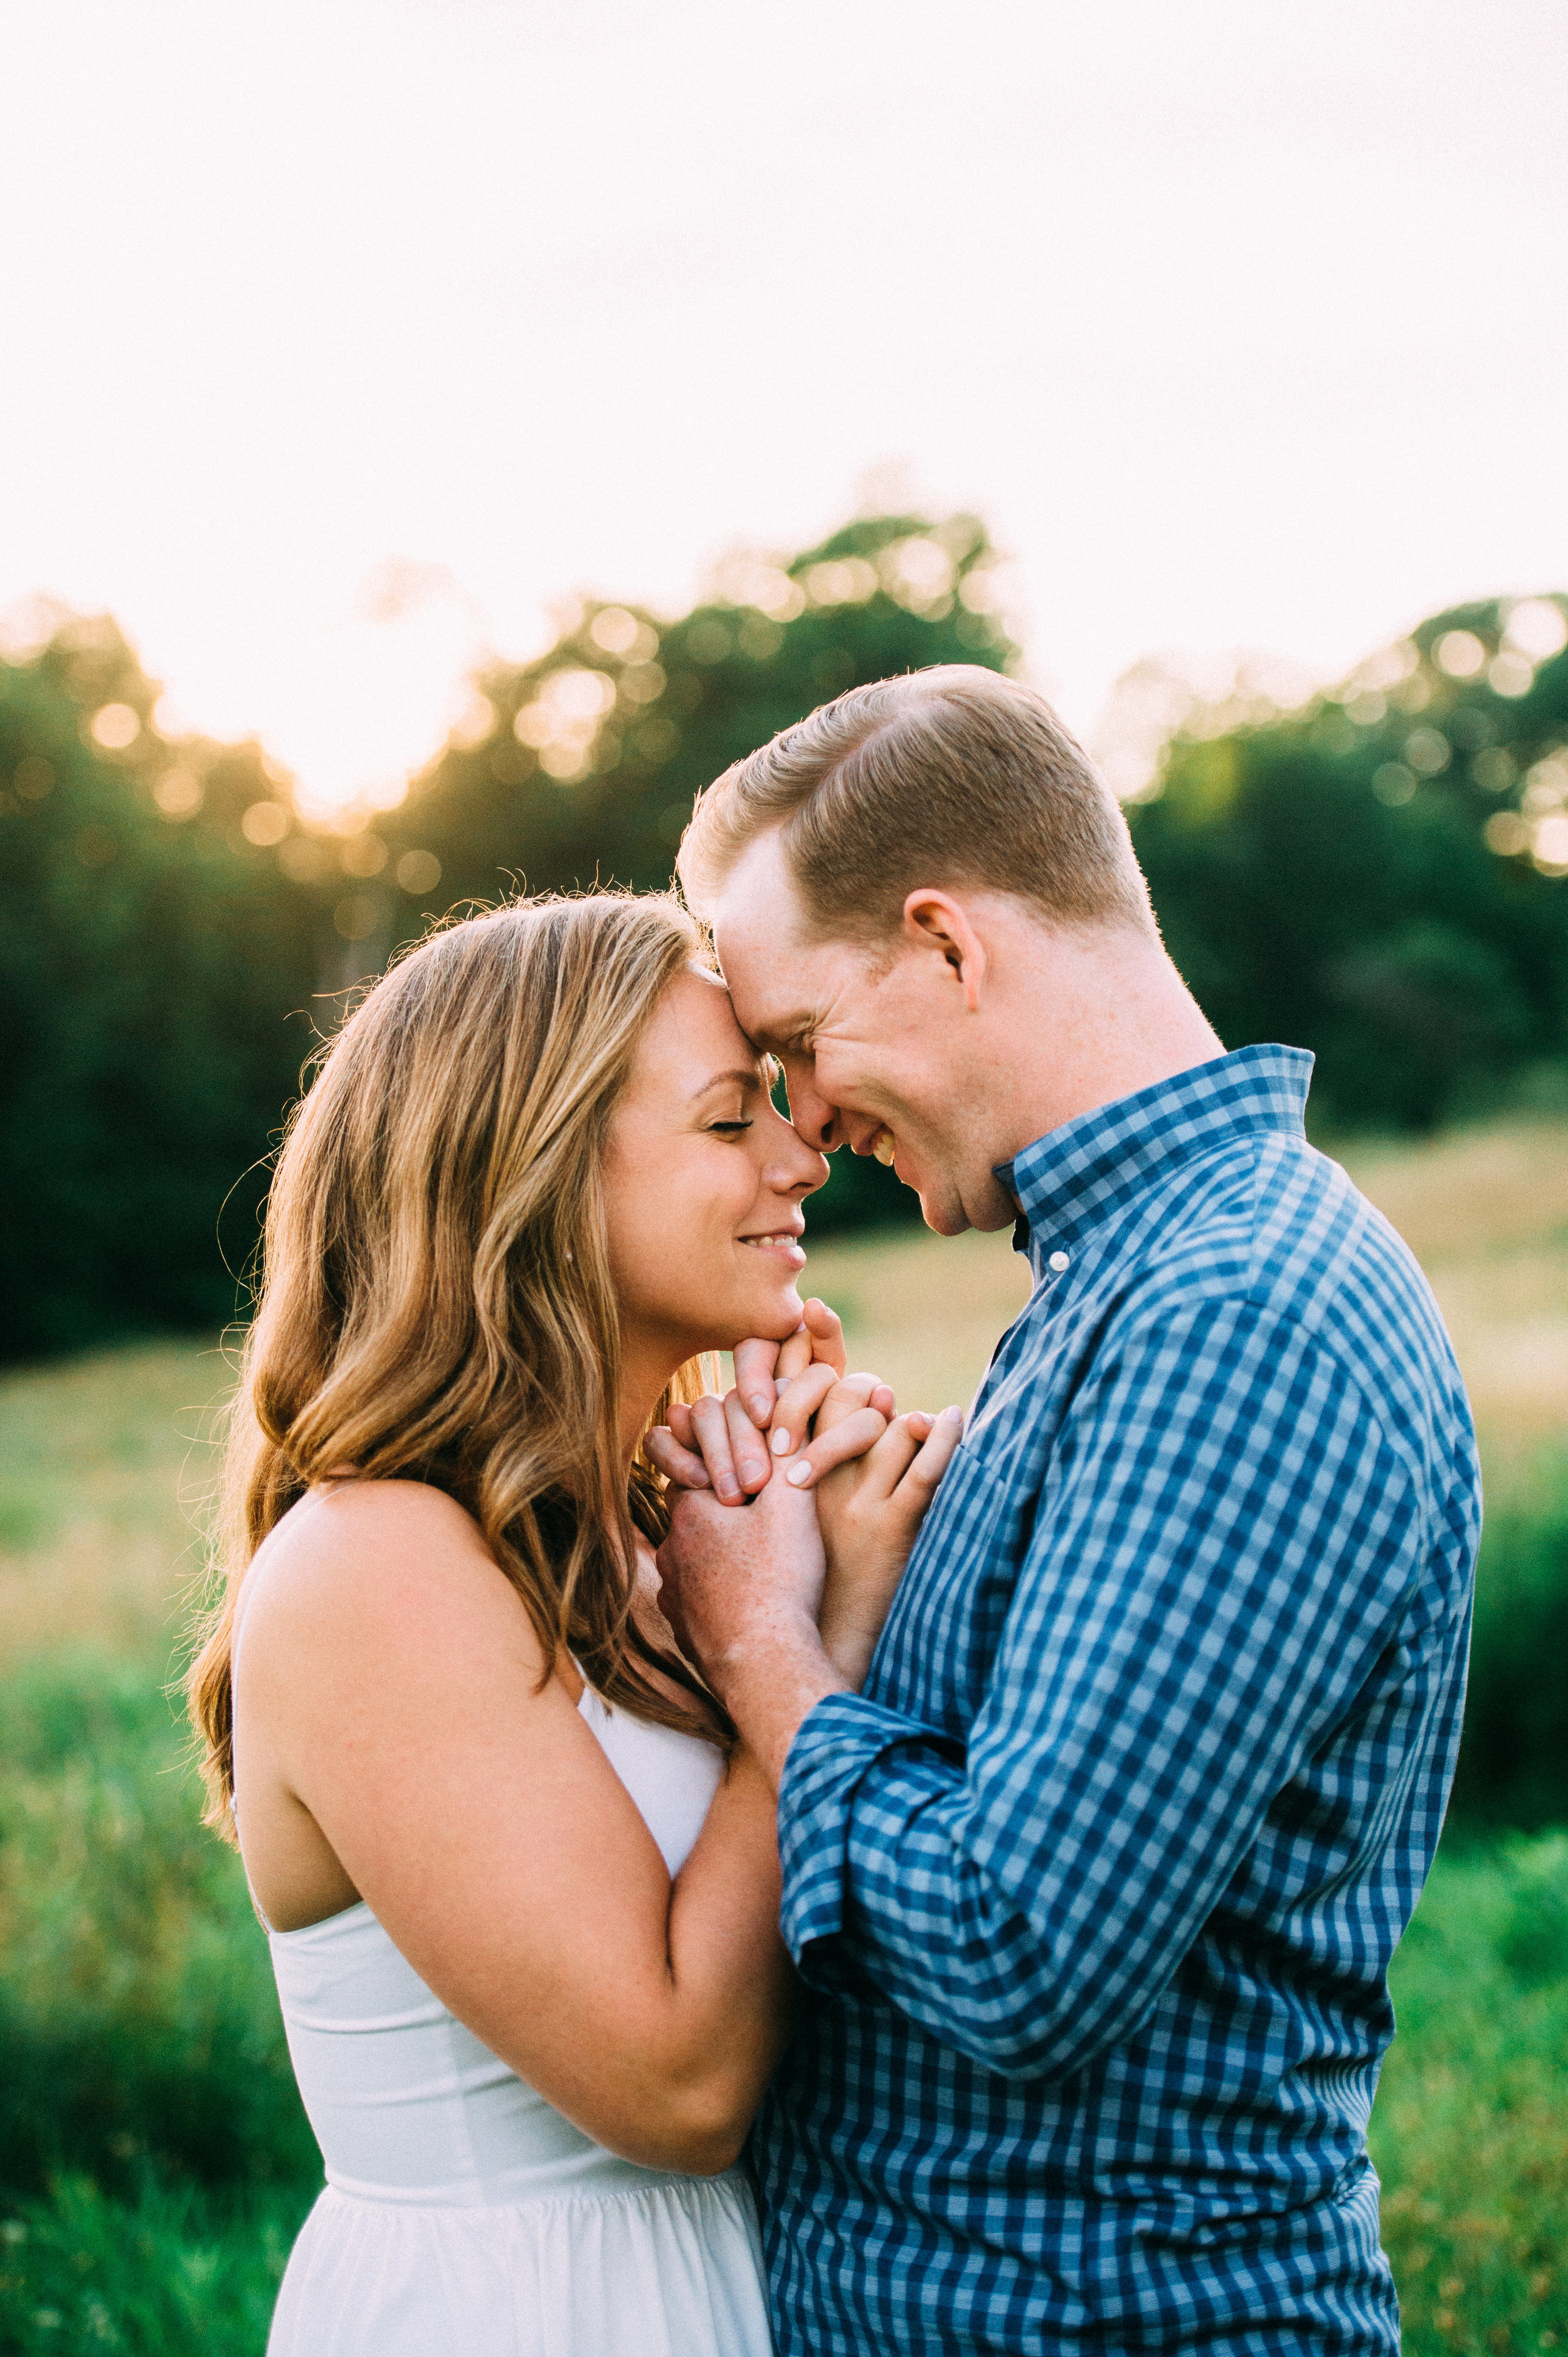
x=1226, y=1544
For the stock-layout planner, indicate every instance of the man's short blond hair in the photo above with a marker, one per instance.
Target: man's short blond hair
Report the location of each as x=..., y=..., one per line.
x=953, y=776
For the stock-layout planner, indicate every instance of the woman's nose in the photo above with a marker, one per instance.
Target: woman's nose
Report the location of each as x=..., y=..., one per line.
x=807, y=1184
x=797, y=1167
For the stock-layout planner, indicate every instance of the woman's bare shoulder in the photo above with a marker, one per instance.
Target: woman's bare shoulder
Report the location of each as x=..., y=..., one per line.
x=402, y=1558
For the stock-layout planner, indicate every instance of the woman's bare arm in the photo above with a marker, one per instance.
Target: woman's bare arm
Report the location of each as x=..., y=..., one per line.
x=389, y=1683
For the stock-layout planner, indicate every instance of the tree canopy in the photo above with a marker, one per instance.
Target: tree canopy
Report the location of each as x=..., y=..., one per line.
x=1379, y=875
x=176, y=938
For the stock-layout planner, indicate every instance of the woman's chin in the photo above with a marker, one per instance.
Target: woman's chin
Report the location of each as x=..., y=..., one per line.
x=790, y=1311
x=770, y=1313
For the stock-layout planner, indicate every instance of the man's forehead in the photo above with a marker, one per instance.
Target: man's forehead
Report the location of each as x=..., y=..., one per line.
x=785, y=978
x=773, y=998
x=758, y=901
x=763, y=948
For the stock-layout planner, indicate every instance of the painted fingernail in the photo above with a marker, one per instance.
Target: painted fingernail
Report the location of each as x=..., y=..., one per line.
x=799, y=1475
x=782, y=1444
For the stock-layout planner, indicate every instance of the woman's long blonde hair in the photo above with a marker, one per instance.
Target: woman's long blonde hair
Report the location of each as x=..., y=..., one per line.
x=435, y=1300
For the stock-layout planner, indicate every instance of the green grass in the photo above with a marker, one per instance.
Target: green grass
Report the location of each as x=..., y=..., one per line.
x=163, y=2271
x=1513, y=1766
x=155, y=2161
x=138, y=2023
x=104, y=1466
x=1470, y=2129
x=154, y=2158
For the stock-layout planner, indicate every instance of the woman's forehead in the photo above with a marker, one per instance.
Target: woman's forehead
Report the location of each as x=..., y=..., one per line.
x=696, y=1024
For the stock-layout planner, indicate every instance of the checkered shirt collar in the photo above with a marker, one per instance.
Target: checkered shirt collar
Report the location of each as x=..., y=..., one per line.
x=1069, y=1181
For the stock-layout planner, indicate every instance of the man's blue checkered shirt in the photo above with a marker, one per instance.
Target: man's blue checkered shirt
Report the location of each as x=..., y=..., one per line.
x=1095, y=1887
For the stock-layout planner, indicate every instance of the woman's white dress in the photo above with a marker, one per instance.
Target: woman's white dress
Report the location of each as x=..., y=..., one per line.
x=463, y=2214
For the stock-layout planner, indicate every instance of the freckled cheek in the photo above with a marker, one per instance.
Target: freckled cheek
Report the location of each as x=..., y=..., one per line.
x=718, y=1191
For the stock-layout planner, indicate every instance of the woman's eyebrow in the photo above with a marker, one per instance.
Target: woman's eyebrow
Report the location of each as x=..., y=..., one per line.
x=744, y=1076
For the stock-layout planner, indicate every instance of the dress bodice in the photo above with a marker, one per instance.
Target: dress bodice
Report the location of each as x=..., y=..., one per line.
x=407, y=2104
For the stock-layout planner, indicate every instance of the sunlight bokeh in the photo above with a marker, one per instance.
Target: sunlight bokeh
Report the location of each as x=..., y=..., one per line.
x=347, y=341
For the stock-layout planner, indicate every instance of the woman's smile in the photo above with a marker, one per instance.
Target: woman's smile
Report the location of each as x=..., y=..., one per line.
x=784, y=1243
x=700, y=1161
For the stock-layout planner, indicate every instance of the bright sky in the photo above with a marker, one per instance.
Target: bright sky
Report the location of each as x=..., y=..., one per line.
x=339, y=338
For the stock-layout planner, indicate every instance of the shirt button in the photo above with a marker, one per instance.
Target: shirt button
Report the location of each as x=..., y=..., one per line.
x=1057, y=1261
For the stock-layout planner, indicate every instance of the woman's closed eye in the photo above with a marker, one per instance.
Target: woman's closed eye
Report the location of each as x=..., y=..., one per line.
x=727, y=1128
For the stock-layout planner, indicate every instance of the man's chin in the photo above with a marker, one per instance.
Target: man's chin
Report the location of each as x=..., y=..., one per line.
x=945, y=1214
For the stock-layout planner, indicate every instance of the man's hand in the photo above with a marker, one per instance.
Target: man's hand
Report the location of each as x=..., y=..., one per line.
x=741, y=1591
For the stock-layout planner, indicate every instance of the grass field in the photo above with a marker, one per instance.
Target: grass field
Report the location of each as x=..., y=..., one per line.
x=153, y=2159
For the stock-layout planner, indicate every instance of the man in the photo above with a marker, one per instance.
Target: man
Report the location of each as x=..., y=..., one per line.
x=1093, y=1885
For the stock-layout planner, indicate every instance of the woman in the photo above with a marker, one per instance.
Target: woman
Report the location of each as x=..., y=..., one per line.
x=520, y=1884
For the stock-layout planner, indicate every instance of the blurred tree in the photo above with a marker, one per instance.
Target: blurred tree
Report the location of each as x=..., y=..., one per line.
x=151, y=951
x=1380, y=876
x=583, y=765
x=170, y=927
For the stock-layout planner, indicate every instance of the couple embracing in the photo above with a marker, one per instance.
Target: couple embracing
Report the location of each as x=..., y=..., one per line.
x=777, y=1872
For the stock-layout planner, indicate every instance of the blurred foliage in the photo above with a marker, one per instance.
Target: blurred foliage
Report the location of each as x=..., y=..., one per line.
x=175, y=935
x=583, y=765
x=155, y=2162
x=1513, y=1765
x=1380, y=876
x=149, y=957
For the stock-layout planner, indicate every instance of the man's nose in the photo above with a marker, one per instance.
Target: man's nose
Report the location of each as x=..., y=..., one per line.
x=813, y=1118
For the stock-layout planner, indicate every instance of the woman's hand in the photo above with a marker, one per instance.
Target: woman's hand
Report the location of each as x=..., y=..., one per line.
x=874, y=1474
x=764, y=1370
x=870, y=1507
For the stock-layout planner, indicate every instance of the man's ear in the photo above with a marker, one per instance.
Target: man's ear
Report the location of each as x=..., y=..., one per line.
x=934, y=920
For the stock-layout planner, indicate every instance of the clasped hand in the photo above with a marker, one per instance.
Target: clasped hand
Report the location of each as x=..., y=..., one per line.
x=820, y=1550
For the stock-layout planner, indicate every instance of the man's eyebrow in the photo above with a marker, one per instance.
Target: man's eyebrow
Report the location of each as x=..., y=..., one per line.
x=783, y=1032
